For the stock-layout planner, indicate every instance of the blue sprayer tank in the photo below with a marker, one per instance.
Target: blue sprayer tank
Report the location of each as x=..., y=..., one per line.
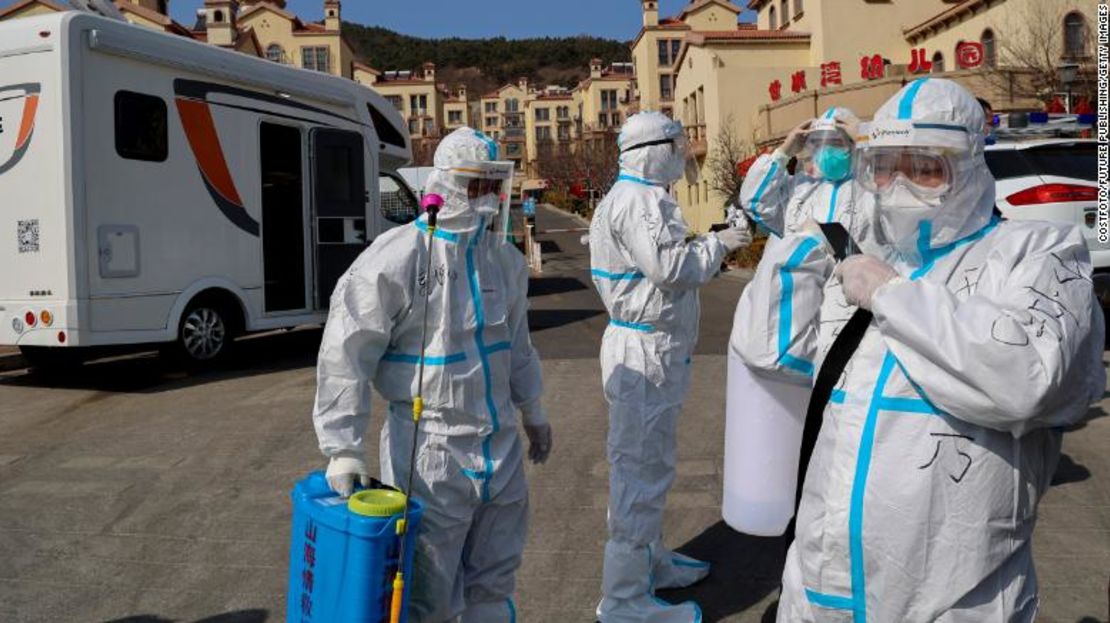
x=342, y=562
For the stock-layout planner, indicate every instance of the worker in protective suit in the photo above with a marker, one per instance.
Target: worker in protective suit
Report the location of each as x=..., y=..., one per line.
x=976, y=340
x=648, y=276
x=820, y=189
x=480, y=369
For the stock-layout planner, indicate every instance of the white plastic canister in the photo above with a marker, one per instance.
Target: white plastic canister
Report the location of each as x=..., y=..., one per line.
x=763, y=438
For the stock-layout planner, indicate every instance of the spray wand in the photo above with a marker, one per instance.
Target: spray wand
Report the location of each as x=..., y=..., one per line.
x=431, y=204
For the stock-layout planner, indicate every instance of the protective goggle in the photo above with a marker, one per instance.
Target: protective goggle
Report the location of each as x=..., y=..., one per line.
x=490, y=182
x=927, y=172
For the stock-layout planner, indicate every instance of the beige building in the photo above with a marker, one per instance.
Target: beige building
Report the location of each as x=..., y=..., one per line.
x=656, y=48
x=149, y=13
x=549, y=128
x=503, y=118
x=456, y=110
x=803, y=56
x=287, y=39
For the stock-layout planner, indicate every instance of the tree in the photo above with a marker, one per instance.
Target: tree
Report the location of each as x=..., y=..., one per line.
x=1031, y=48
x=588, y=163
x=727, y=150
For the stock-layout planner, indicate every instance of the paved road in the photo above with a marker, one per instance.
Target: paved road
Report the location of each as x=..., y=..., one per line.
x=133, y=492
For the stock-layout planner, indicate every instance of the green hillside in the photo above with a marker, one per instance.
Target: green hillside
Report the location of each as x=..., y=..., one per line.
x=484, y=64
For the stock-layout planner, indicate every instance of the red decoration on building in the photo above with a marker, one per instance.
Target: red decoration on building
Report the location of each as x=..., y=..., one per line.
x=969, y=54
x=830, y=74
x=872, y=67
x=775, y=90
x=919, y=62
x=798, y=81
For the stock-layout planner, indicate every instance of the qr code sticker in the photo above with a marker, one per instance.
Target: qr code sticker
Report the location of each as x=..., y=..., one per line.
x=29, y=236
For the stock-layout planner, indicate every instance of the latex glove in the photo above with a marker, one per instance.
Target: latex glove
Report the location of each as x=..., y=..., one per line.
x=795, y=141
x=343, y=469
x=539, y=442
x=862, y=275
x=735, y=238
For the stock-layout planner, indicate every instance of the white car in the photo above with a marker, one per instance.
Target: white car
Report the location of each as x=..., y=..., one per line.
x=1053, y=179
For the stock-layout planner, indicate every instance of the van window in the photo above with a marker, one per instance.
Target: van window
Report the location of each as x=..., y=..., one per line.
x=141, y=132
x=398, y=204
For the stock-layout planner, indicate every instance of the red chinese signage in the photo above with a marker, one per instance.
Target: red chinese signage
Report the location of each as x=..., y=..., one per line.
x=872, y=67
x=969, y=54
x=919, y=62
x=830, y=74
x=798, y=81
x=775, y=89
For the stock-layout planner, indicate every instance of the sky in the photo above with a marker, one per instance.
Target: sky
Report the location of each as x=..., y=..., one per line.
x=614, y=19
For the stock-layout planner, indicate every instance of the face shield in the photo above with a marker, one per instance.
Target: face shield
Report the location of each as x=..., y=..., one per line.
x=488, y=189
x=683, y=153
x=828, y=153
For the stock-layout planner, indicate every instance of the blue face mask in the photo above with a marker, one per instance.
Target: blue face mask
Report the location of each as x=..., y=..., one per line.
x=834, y=163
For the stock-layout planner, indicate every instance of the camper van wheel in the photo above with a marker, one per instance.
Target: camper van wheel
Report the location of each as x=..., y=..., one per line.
x=205, y=333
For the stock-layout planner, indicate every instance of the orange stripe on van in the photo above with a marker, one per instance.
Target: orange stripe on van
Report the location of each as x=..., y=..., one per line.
x=200, y=129
x=27, y=125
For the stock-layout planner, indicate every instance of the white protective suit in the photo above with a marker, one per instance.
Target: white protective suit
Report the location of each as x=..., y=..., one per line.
x=648, y=276
x=782, y=202
x=480, y=369
x=943, y=431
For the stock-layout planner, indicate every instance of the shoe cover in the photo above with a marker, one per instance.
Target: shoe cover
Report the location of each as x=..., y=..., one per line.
x=674, y=570
x=647, y=609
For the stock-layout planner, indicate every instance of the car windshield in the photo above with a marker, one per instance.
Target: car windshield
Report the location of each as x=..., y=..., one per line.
x=1075, y=160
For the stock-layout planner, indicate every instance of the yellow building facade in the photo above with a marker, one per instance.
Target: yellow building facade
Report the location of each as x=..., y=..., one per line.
x=503, y=117
x=803, y=56
x=286, y=39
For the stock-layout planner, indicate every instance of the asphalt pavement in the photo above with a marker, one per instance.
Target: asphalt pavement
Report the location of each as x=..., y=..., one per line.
x=130, y=491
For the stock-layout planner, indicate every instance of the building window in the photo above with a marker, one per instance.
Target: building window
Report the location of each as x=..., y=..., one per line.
x=316, y=58
x=218, y=16
x=602, y=120
x=938, y=63
x=543, y=133
x=418, y=105
x=609, y=99
x=665, y=90
x=429, y=127
x=1075, y=36
x=798, y=8
x=773, y=23
x=990, y=54
x=454, y=117
x=543, y=114
x=512, y=105
x=616, y=119
x=141, y=130
x=668, y=51
x=397, y=101
x=414, y=126
x=491, y=122
x=276, y=53
x=785, y=13
x=564, y=133
x=563, y=112
x=491, y=107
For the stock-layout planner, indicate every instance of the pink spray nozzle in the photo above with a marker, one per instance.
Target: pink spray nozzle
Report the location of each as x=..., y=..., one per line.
x=431, y=202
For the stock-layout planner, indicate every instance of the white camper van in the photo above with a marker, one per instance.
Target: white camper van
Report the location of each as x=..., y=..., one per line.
x=157, y=189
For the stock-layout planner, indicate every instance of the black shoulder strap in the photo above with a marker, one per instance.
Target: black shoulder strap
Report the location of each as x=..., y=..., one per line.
x=843, y=347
